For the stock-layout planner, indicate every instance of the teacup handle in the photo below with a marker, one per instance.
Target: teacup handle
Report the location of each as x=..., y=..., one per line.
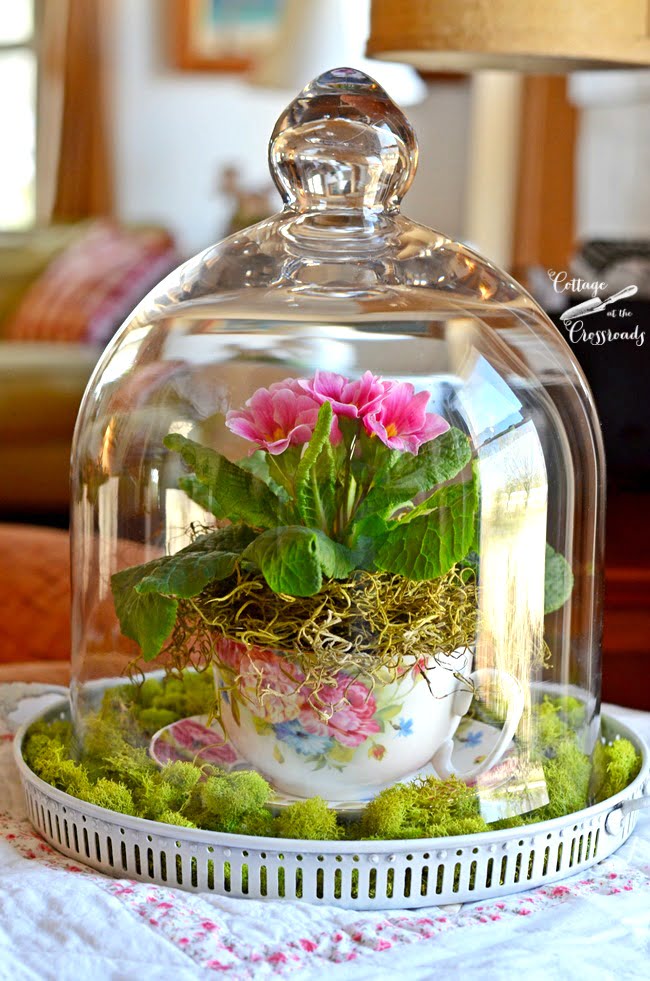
x=441, y=760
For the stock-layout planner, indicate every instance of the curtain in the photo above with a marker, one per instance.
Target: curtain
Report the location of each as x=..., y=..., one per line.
x=74, y=178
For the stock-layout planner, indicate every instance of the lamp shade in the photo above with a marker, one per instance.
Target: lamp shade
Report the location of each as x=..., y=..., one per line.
x=316, y=34
x=539, y=35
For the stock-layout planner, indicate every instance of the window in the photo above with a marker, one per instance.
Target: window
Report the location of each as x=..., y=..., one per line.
x=18, y=76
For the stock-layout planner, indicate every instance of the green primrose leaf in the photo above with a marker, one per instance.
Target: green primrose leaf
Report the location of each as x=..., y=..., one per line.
x=315, y=477
x=293, y=559
x=234, y=493
x=446, y=496
x=288, y=559
x=323, y=479
x=319, y=437
x=200, y=494
x=368, y=534
x=336, y=560
x=146, y=596
x=558, y=580
x=147, y=619
x=211, y=557
x=188, y=575
x=258, y=464
x=429, y=545
x=403, y=478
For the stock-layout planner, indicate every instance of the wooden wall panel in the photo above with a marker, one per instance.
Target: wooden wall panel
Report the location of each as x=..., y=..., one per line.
x=544, y=226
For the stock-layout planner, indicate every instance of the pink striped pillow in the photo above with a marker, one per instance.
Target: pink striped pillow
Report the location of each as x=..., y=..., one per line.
x=88, y=289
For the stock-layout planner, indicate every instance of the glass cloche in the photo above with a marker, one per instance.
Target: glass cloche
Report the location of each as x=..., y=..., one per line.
x=337, y=511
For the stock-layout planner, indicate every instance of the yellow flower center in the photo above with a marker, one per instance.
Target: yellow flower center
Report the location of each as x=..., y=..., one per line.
x=278, y=433
x=391, y=430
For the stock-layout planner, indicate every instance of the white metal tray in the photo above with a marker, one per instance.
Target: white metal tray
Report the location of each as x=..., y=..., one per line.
x=353, y=874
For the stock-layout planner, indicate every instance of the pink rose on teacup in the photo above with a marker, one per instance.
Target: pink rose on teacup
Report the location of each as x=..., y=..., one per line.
x=352, y=710
x=270, y=684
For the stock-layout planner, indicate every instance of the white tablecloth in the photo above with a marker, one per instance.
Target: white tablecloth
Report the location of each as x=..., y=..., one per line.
x=59, y=920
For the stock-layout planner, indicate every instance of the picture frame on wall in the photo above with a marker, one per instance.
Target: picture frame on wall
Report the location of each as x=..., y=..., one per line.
x=222, y=35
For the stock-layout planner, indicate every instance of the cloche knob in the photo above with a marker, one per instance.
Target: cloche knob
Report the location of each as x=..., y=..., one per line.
x=342, y=144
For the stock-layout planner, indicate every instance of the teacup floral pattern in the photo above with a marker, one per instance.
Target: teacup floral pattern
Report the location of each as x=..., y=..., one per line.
x=347, y=716
x=195, y=742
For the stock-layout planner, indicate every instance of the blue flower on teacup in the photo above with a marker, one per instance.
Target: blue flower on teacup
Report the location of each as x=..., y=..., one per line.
x=404, y=726
x=473, y=738
x=303, y=742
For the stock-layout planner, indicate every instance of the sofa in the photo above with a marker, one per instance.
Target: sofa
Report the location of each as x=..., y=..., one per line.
x=64, y=290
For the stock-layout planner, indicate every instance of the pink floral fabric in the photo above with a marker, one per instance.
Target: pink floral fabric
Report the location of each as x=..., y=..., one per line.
x=249, y=940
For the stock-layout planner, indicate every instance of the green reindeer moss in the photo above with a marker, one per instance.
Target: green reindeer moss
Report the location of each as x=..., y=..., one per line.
x=113, y=770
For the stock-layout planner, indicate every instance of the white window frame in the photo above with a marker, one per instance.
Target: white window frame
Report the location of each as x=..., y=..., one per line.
x=30, y=44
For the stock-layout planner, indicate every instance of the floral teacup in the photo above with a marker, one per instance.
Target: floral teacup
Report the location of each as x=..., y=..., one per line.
x=362, y=739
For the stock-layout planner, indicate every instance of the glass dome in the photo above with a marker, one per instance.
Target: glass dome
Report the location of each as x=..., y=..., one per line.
x=347, y=471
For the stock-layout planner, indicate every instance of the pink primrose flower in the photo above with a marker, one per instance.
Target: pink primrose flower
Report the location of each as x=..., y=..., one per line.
x=285, y=413
x=352, y=399
x=401, y=422
x=276, y=417
x=353, y=709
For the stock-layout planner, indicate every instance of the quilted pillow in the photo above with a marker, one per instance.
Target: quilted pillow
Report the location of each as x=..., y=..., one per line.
x=88, y=290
